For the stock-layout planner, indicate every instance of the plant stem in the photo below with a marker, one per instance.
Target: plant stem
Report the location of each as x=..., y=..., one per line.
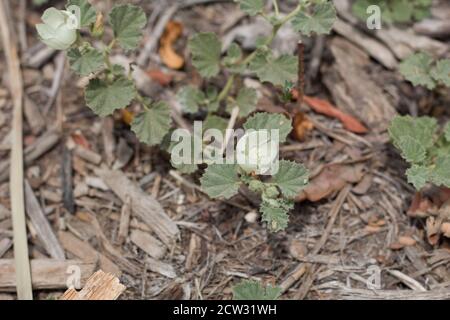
x=223, y=94
x=275, y=6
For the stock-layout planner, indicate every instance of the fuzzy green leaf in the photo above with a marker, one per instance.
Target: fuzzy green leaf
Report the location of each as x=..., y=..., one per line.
x=441, y=72
x=253, y=290
x=127, y=22
x=220, y=181
x=246, y=101
x=418, y=176
x=152, y=125
x=447, y=132
x=103, y=97
x=215, y=122
x=276, y=213
x=85, y=62
x=422, y=130
x=190, y=98
x=274, y=70
x=206, y=51
x=416, y=69
x=412, y=150
x=440, y=175
x=291, y=178
x=88, y=14
x=269, y=121
x=251, y=7
x=319, y=21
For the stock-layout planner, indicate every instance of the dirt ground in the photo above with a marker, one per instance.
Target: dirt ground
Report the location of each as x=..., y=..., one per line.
x=351, y=235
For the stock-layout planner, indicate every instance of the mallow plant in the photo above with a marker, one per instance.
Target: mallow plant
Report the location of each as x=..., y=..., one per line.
x=426, y=147
x=422, y=69
x=278, y=188
x=111, y=87
x=79, y=30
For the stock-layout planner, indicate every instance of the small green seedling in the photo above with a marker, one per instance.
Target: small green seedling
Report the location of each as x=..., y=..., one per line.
x=421, y=69
x=111, y=86
x=426, y=148
x=394, y=11
x=254, y=290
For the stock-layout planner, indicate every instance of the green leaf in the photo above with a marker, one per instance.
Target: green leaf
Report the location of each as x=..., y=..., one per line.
x=402, y=10
x=152, y=125
x=253, y=290
x=447, y=132
x=215, y=122
x=127, y=22
x=103, y=97
x=220, y=180
x=274, y=70
x=232, y=59
x=319, y=21
x=206, y=51
x=412, y=150
x=269, y=121
x=291, y=178
x=275, y=213
x=440, y=175
x=88, y=14
x=418, y=176
x=85, y=62
x=420, y=129
x=441, y=72
x=416, y=69
x=251, y=7
x=246, y=101
x=190, y=98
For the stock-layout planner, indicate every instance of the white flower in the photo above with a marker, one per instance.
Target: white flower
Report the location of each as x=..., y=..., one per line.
x=59, y=28
x=257, y=152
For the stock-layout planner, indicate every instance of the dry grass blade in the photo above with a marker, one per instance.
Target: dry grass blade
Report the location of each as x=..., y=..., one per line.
x=23, y=273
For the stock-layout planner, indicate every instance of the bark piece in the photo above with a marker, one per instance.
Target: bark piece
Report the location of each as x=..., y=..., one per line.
x=160, y=267
x=143, y=206
x=374, y=48
x=353, y=89
x=34, y=116
x=5, y=245
x=88, y=155
x=87, y=253
x=45, y=273
x=41, y=225
x=100, y=286
x=152, y=246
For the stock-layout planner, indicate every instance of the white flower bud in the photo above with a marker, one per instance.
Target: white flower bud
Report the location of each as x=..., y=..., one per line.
x=59, y=28
x=257, y=152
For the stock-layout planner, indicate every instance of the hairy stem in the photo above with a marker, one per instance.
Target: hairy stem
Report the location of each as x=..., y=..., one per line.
x=275, y=6
x=223, y=94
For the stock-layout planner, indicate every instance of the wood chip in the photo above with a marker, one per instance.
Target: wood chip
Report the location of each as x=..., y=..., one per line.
x=40, y=223
x=100, y=286
x=84, y=251
x=45, y=273
x=150, y=245
x=88, y=155
x=5, y=245
x=143, y=206
x=160, y=267
x=33, y=116
x=124, y=225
